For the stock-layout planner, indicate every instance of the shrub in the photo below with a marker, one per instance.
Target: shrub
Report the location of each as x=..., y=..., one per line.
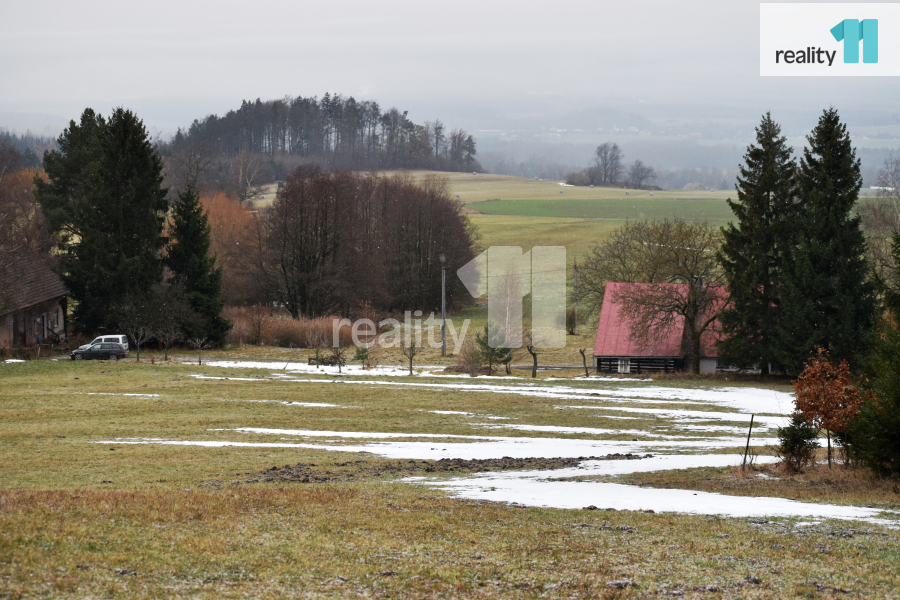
x=469, y=359
x=274, y=327
x=827, y=397
x=798, y=443
x=489, y=355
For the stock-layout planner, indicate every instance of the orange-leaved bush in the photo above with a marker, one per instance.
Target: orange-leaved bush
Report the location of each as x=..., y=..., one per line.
x=826, y=395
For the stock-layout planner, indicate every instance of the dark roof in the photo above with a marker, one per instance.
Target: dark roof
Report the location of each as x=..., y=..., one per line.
x=614, y=331
x=28, y=280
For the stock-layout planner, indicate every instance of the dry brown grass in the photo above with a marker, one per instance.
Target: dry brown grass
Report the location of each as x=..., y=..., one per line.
x=835, y=485
x=79, y=519
x=722, y=377
x=393, y=541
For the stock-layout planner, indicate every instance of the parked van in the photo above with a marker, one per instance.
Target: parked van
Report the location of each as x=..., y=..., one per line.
x=108, y=339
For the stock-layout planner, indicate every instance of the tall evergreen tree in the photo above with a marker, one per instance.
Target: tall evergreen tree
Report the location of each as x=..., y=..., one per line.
x=754, y=248
x=876, y=432
x=104, y=195
x=828, y=298
x=194, y=269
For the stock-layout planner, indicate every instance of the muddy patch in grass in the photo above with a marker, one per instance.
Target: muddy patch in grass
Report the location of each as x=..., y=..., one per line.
x=361, y=470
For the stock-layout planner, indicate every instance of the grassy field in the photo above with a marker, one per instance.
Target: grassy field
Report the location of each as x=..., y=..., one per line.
x=79, y=518
x=171, y=479
x=618, y=209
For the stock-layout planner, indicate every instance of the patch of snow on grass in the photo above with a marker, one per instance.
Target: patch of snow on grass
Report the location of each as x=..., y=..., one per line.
x=574, y=430
x=118, y=394
x=571, y=494
x=685, y=416
x=480, y=447
x=748, y=400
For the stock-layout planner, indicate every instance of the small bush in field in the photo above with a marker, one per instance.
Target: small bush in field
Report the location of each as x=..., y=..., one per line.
x=827, y=397
x=362, y=355
x=798, y=443
x=469, y=359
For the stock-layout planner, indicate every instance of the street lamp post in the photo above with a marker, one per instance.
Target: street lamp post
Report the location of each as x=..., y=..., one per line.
x=443, y=260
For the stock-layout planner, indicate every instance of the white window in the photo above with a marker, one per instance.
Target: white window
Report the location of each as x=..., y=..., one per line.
x=624, y=365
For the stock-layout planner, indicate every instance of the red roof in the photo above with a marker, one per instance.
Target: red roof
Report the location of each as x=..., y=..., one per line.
x=614, y=332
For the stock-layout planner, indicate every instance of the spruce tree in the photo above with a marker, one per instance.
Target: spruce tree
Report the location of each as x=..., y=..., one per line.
x=876, y=431
x=195, y=270
x=828, y=299
x=104, y=194
x=754, y=248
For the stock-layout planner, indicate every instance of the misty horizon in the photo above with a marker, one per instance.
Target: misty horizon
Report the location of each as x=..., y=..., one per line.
x=526, y=81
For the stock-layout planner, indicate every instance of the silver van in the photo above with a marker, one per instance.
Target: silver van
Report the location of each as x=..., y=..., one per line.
x=108, y=339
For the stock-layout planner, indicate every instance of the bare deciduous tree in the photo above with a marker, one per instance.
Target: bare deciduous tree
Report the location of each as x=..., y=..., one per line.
x=880, y=218
x=629, y=254
x=608, y=159
x=248, y=171
x=690, y=289
x=529, y=343
x=10, y=159
x=581, y=351
x=640, y=173
x=188, y=165
x=199, y=344
x=138, y=318
x=436, y=135
x=339, y=356
x=318, y=343
x=174, y=312
x=410, y=352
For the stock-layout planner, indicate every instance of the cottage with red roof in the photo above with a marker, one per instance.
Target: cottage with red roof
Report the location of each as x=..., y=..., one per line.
x=616, y=350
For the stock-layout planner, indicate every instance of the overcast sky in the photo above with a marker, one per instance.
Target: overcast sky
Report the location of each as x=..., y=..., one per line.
x=467, y=62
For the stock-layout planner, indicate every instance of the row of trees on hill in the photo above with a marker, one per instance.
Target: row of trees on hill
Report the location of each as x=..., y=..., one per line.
x=265, y=140
x=28, y=147
x=608, y=169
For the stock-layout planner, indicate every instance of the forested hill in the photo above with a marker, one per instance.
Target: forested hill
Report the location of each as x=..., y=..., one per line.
x=336, y=132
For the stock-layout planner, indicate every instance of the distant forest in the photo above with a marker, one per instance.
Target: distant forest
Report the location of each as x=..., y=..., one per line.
x=334, y=133
x=30, y=147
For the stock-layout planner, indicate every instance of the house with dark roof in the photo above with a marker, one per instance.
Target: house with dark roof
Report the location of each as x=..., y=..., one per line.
x=617, y=351
x=32, y=301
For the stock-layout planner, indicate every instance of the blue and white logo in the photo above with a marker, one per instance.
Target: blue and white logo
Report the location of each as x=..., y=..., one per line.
x=815, y=40
x=852, y=33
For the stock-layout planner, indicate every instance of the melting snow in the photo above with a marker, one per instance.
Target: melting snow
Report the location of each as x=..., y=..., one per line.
x=481, y=447
x=685, y=416
x=118, y=394
x=749, y=400
x=570, y=494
